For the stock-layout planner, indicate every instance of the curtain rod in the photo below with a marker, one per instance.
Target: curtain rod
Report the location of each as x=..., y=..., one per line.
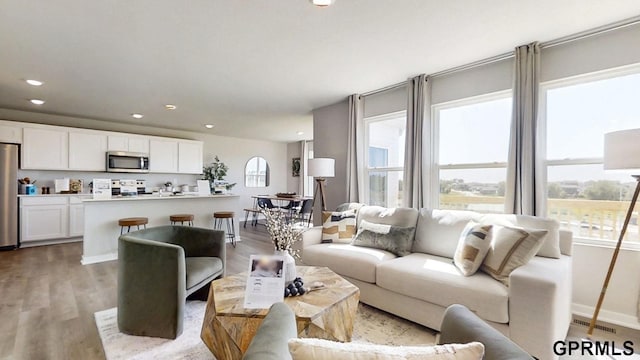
x=547, y=44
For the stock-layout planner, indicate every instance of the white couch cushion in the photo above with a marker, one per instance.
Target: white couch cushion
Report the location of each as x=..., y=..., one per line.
x=551, y=245
x=436, y=280
x=353, y=261
x=320, y=349
x=438, y=231
x=403, y=217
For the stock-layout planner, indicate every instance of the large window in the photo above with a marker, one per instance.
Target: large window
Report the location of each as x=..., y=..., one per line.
x=384, y=143
x=473, y=142
x=578, y=112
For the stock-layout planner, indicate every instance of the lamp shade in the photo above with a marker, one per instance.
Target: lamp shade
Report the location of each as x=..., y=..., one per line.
x=322, y=167
x=622, y=149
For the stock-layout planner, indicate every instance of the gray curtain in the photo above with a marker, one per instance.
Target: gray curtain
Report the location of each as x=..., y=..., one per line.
x=524, y=194
x=415, y=187
x=355, y=151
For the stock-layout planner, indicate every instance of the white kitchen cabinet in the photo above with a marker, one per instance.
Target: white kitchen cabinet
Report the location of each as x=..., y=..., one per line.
x=163, y=156
x=87, y=151
x=76, y=220
x=43, y=218
x=139, y=144
x=124, y=142
x=45, y=149
x=118, y=143
x=190, y=157
x=10, y=134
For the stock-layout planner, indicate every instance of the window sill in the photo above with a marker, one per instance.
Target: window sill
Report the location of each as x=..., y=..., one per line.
x=607, y=244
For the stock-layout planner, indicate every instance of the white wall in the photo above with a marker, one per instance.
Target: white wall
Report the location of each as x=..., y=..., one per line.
x=235, y=152
x=590, y=264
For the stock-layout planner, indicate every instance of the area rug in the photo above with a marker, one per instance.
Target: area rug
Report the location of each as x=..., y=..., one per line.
x=371, y=326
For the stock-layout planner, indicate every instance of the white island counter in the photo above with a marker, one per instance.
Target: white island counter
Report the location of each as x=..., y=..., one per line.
x=101, y=230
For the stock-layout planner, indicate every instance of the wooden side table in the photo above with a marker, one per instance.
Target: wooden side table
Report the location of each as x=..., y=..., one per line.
x=327, y=314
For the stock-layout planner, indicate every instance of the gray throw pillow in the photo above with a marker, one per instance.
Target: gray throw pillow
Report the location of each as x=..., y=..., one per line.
x=397, y=240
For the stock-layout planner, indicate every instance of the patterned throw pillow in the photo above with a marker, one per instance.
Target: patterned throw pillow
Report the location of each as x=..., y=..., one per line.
x=511, y=248
x=473, y=246
x=397, y=240
x=318, y=349
x=338, y=227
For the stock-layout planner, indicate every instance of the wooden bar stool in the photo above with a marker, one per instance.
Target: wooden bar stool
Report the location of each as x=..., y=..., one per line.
x=132, y=221
x=220, y=217
x=181, y=218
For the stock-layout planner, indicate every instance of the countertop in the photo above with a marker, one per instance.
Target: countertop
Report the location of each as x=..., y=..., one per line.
x=158, y=197
x=55, y=195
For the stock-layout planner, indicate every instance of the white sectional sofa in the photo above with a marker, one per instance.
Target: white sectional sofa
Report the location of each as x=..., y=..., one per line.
x=534, y=310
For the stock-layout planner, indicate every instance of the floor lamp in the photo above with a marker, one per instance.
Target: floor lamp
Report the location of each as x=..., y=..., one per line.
x=321, y=169
x=621, y=151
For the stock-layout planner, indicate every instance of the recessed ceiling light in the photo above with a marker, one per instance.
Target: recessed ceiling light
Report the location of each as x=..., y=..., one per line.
x=170, y=107
x=137, y=116
x=37, y=101
x=300, y=133
x=34, y=82
x=209, y=126
x=322, y=3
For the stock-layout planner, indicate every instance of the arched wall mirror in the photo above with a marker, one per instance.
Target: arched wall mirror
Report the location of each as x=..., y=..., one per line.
x=256, y=172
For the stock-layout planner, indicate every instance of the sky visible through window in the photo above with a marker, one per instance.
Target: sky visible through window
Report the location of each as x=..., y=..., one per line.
x=577, y=116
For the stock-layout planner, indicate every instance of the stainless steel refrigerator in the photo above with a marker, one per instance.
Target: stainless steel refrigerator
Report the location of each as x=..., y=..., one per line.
x=8, y=196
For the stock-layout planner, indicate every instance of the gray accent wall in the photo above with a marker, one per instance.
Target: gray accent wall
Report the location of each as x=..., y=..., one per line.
x=330, y=134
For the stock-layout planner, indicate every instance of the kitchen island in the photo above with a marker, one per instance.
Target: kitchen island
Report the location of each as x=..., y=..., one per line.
x=101, y=230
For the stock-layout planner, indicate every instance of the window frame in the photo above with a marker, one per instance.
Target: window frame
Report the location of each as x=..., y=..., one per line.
x=435, y=141
x=543, y=90
x=368, y=170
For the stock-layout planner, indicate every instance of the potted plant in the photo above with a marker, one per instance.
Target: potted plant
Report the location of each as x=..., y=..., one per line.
x=215, y=173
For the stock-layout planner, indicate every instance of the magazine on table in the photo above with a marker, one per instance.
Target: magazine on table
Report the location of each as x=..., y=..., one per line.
x=265, y=283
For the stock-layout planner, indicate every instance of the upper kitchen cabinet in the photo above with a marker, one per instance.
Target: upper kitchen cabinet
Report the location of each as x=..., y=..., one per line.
x=10, y=133
x=45, y=149
x=139, y=144
x=124, y=142
x=190, y=157
x=87, y=151
x=163, y=155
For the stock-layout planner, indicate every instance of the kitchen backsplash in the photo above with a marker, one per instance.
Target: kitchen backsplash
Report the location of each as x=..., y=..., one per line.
x=47, y=178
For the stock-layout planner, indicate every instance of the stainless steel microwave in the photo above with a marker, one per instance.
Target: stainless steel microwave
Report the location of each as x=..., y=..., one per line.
x=127, y=162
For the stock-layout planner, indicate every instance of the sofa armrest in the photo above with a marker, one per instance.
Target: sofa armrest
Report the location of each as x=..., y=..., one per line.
x=312, y=236
x=151, y=287
x=273, y=335
x=461, y=326
x=201, y=242
x=540, y=304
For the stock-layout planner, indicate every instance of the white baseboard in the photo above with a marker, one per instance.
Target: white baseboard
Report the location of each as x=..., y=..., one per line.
x=29, y=244
x=612, y=317
x=86, y=260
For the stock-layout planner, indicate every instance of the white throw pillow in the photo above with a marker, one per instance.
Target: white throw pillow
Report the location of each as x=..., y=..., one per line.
x=511, y=248
x=318, y=349
x=473, y=246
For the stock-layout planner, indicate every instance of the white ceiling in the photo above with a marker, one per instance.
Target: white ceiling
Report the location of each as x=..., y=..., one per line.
x=254, y=68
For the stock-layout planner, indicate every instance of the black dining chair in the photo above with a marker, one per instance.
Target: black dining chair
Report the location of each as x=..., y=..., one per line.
x=305, y=212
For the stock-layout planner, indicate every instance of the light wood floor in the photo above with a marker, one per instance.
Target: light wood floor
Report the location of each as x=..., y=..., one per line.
x=47, y=298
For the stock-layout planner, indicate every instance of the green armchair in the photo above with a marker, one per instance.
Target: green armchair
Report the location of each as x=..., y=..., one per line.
x=157, y=269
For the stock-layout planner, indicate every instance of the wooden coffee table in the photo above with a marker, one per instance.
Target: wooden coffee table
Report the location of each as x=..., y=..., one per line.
x=329, y=313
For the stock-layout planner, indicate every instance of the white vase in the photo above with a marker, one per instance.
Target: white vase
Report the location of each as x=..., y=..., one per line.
x=289, y=270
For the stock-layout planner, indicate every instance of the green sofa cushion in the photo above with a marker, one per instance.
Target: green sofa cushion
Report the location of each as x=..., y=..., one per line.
x=200, y=269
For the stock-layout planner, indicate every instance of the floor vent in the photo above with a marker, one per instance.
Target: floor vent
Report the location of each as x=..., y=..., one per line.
x=599, y=327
